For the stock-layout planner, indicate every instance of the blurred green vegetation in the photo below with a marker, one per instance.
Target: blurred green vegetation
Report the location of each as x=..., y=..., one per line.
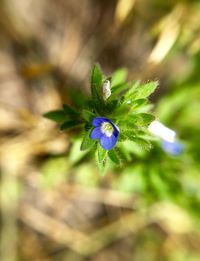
x=54, y=204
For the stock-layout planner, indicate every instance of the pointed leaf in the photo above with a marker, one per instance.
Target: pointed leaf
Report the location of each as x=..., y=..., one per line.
x=128, y=122
x=145, y=118
x=145, y=144
x=147, y=89
x=128, y=134
x=101, y=154
x=69, y=124
x=103, y=164
x=119, y=76
x=97, y=76
x=87, y=142
x=68, y=110
x=135, y=104
x=96, y=84
x=131, y=92
x=119, y=88
x=57, y=115
x=113, y=156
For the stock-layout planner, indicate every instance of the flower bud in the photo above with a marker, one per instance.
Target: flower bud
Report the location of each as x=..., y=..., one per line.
x=106, y=92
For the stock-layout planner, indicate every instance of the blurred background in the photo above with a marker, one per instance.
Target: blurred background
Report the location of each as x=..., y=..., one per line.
x=54, y=203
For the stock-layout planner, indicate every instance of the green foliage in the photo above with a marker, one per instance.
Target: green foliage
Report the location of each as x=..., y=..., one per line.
x=119, y=77
x=96, y=84
x=101, y=153
x=88, y=115
x=114, y=156
x=69, y=124
x=144, y=118
x=57, y=115
x=101, y=159
x=146, y=90
x=87, y=143
x=135, y=104
x=69, y=111
x=127, y=107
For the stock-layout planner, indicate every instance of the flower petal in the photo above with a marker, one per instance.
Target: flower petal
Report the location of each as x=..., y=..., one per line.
x=96, y=133
x=98, y=121
x=173, y=148
x=108, y=142
x=116, y=130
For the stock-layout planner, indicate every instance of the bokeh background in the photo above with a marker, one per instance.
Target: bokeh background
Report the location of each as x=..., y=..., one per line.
x=54, y=203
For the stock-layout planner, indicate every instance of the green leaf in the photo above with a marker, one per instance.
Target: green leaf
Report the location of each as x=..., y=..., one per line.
x=119, y=88
x=101, y=154
x=68, y=110
x=131, y=92
x=57, y=115
x=101, y=160
x=113, y=156
x=135, y=104
x=121, y=111
x=122, y=137
x=96, y=84
x=87, y=142
x=122, y=153
x=97, y=76
x=119, y=76
x=69, y=124
x=147, y=89
x=128, y=122
x=112, y=105
x=145, y=144
x=88, y=115
x=145, y=118
x=127, y=134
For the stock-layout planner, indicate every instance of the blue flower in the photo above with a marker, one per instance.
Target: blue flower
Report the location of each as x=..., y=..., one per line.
x=106, y=131
x=173, y=148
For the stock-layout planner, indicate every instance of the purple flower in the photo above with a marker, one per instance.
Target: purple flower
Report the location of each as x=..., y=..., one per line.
x=106, y=131
x=173, y=148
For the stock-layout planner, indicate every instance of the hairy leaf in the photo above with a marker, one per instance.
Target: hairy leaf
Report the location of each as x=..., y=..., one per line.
x=101, y=153
x=119, y=88
x=135, y=104
x=96, y=84
x=145, y=118
x=103, y=164
x=147, y=89
x=131, y=92
x=145, y=144
x=87, y=142
x=113, y=156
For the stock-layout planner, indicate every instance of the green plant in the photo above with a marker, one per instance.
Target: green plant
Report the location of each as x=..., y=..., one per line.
x=117, y=110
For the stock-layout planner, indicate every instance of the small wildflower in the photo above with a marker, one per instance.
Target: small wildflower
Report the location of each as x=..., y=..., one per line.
x=160, y=130
x=173, y=148
x=106, y=131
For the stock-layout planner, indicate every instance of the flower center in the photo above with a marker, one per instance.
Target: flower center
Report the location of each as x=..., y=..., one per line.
x=107, y=129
